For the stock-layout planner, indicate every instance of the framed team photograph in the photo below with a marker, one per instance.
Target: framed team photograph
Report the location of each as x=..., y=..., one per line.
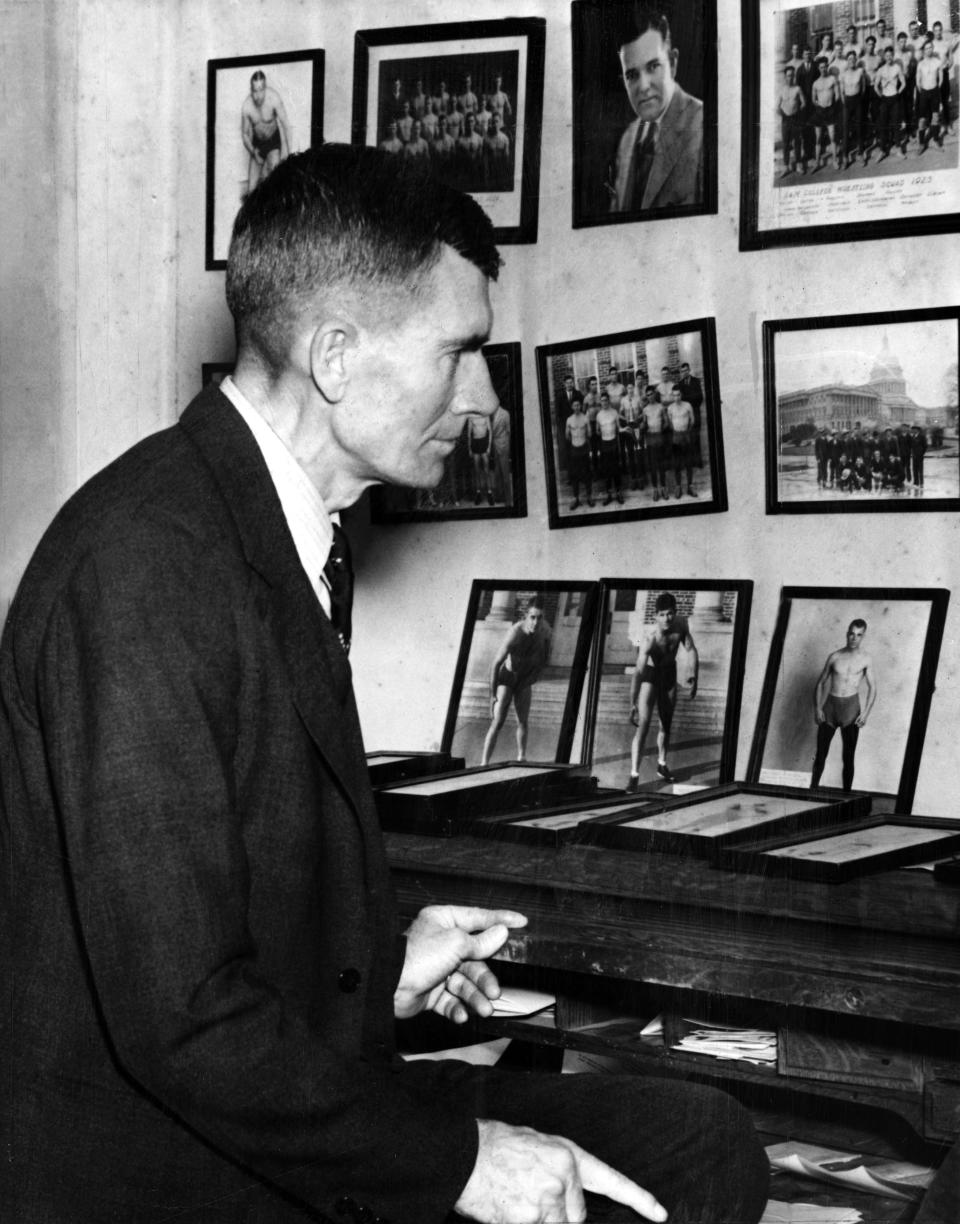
x=849, y=125
x=467, y=98
x=666, y=678
x=260, y=109
x=519, y=675
x=644, y=110
x=631, y=425
x=860, y=662
x=485, y=475
x=861, y=412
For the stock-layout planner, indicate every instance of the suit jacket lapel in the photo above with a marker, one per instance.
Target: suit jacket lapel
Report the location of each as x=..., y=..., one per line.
x=671, y=147
x=319, y=673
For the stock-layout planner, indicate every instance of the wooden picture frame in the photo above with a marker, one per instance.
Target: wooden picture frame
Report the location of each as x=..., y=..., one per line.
x=888, y=195
x=560, y=824
x=485, y=477
x=643, y=471
x=447, y=803
x=860, y=442
x=714, y=617
x=814, y=624
x=682, y=178
x=295, y=80
x=705, y=824
x=879, y=844
x=457, y=66
x=557, y=658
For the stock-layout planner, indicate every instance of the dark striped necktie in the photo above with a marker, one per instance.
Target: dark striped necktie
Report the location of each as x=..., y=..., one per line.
x=338, y=575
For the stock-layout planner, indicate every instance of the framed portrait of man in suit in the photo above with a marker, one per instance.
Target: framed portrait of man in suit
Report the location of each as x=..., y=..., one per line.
x=644, y=110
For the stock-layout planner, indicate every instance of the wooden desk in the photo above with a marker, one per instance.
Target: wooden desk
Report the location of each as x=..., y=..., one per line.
x=862, y=979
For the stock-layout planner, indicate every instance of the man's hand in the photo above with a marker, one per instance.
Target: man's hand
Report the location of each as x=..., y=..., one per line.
x=635, y=714
x=819, y=716
x=693, y=687
x=444, y=967
x=524, y=1177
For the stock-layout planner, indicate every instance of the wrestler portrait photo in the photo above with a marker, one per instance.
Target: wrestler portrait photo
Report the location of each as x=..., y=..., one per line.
x=847, y=692
x=849, y=124
x=631, y=425
x=644, y=110
x=520, y=672
x=465, y=99
x=484, y=477
x=260, y=109
x=862, y=412
x=664, y=704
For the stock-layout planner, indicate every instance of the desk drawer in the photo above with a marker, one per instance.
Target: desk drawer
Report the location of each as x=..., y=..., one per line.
x=941, y=1099
x=814, y=1056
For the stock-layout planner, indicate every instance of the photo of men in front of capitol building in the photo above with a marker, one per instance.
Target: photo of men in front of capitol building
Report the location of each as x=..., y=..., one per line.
x=867, y=412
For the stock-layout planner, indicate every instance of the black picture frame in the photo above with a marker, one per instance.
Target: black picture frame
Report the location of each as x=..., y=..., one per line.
x=214, y=372
x=557, y=825
x=876, y=844
x=704, y=825
x=704, y=731
x=386, y=767
x=506, y=184
x=461, y=493
x=843, y=442
x=298, y=77
x=639, y=357
x=446, y=804
x=904, y=631
x=494, y=609
x=891, y=198
x=681, y=182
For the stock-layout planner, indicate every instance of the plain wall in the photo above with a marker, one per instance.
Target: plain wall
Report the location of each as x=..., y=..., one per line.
x=108, y=313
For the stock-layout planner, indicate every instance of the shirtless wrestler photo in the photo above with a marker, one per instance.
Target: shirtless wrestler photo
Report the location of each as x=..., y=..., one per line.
x=836, y=701
x=654, y=683
x=264, y=129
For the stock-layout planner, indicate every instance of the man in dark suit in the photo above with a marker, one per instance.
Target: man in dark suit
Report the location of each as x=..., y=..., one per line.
x=200, y=953
x=660, y=154
x=691, y=390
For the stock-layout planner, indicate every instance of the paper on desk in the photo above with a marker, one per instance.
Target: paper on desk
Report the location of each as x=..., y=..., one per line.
x=518, y=1001
x=808, y=1213
x=873, y=1174
x=484, y=1054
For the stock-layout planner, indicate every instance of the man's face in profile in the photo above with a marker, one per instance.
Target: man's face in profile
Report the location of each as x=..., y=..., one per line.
x=648, y=67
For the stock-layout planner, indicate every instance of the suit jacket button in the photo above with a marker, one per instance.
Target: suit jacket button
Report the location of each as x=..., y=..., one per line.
x=349, y=980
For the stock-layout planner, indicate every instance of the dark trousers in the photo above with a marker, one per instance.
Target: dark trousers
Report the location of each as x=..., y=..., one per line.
x=888, y=122
x=691, y=1146
x=852, y=126
x=848, y=739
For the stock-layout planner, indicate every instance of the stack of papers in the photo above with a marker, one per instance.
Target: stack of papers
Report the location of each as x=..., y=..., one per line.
x=516, y=1001
x=719, y=1041
x=873, y=1174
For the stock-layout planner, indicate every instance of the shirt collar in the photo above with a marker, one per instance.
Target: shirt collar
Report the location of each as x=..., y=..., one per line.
x=303, y=508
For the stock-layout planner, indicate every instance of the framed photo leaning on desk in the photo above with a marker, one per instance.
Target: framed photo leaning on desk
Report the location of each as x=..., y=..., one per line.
x=519, y=675
x=854, y=665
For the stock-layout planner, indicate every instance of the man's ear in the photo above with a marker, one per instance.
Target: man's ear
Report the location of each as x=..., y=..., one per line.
x=674, y=58
x=330, y=349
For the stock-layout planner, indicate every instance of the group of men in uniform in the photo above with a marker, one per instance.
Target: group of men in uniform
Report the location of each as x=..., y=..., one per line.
x=464, y=136
x=868, y=92
x=622, y=433
x=858, y=461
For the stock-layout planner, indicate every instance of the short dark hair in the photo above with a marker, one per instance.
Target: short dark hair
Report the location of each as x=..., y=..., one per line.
x=341, y=218
x=857, y=623
x=259, y=75
x=634, y=24
x=537, y=601
x=665, y=602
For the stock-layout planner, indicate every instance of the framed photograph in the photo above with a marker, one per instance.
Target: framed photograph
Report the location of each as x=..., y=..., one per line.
x=485, y=476
x=666, y=679
x=448, y=803
x=878, y=844
x=861, y=412
x=214, y=372
x=858, y=661
x=466, y=96
x=731, y=815
x=519, y=674
x=554, y=826
x=644, y=111
x=260, y=109
x=845, y=127
x=385, y=768
x=631, y=425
